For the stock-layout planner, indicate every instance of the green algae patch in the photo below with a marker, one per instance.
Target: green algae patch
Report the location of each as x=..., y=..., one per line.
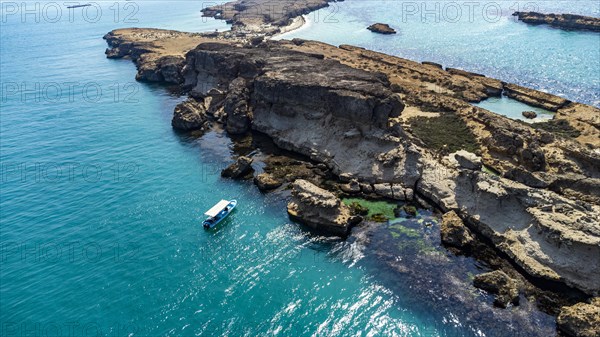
x=379, y=211
x=410, y=239
x=445, y=134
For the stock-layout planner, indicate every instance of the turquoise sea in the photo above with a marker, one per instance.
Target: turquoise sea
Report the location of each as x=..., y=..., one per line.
x=479, y=36
x=101, y=203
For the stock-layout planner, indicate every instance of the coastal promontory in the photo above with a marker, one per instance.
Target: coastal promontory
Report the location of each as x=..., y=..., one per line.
x=406, y=131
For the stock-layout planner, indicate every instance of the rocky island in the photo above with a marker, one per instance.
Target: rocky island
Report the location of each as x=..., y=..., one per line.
x=381, y=28
x=563, y=21
x=380, y=126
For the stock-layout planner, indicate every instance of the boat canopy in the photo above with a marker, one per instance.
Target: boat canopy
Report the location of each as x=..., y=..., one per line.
x=216, y=209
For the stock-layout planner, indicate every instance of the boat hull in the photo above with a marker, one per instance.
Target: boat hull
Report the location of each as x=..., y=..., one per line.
x=213, y=222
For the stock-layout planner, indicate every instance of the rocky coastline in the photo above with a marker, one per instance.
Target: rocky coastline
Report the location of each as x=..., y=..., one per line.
x=364, y=119
x=562, y=21
x=262, y=17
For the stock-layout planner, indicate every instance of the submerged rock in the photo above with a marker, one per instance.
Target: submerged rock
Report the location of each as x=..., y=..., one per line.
x=454, y=232
x=266, y=182
x=238, y=170
x=529, y=114
x=581, y=319
x=189, y=115
x=498, y=283
x=320, y=209
x=381, y=28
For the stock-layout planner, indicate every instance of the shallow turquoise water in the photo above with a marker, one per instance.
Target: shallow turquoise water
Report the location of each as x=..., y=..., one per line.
x=514, y=109
x=477, y=36
x=101, y=203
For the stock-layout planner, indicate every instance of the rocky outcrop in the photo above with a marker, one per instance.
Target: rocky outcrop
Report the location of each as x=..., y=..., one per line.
x=551, y=237
x=266, y=182
x=335, y=107
x=240, y=169
x=468, y=160
x=563, y=21
x=237, y=107
x=581, y=319
x=261, y=16
x=152, y=50
x=189, y=115
x=454, y=232
x=534, y=97
x=309, y=114
x=529, y=114
x=381, y=28
x=351, y=187
x=320, y=209
x=499, y=284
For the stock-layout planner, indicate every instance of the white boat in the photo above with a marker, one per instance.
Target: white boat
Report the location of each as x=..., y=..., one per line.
x=218, y=212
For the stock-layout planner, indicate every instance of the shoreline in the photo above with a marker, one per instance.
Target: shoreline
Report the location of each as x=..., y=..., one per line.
x=297, y=23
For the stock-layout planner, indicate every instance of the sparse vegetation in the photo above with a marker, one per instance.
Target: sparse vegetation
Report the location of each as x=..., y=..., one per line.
x=445, y=134
x=559, y=127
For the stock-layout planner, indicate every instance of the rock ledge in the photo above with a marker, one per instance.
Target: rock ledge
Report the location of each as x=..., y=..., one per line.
x=320, y=209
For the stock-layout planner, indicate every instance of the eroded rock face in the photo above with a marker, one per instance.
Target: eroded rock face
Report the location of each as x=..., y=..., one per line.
x=468, y=160
x=320, y=209
x=307, y=104
x=237, y=107
x=454, y=232
x=498, y=283
x=238, y=170
x=189, y=115
x=581, y=319
x=549, y=236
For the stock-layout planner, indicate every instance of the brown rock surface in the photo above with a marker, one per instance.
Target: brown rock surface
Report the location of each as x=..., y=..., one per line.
x=581, y=319
x=363, y=113
x=266, y=182
x=189, y=115
x=454, y=232
x=564, y=21
x=320, y=209
x=239, y=169
x=498, y=283
x=381, y=28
